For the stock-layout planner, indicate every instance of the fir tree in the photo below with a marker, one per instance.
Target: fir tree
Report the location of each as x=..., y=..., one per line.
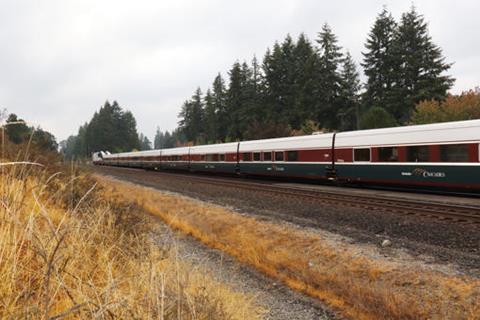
x=349, y=95
x=219, y=101
x=145, y=143
x=329, y=79
x=420, y=67
x=159, y=139
x=191, y=123
x=306, y=66
x=379, y=62
x=234, y=102
x=211, y=126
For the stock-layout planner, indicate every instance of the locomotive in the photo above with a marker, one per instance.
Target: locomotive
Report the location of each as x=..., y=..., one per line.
x=439, y=156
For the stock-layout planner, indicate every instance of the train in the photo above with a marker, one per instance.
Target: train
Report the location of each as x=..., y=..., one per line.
x=443, y=156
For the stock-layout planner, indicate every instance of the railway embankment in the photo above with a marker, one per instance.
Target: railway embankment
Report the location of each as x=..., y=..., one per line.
x=428, y=238
x=68, y=251
x=359, y=279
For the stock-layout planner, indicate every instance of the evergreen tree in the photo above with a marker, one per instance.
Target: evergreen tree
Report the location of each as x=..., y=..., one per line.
x=191, y=123
x=329, y=78
x=145, y=143
x=420, y=67
x=110, y=129
x=169, y=140
x=211, y=122
x=274, y=73
x=158, y=140
x=219, y=101
x=349, y=95
x=127, y=129
x=44, y=140
x=234, y=102
x=279, y=81
x=379, y=62
x=17, y=130
x=306, y=64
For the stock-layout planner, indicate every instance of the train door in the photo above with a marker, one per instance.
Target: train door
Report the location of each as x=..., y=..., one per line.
x=278, y=161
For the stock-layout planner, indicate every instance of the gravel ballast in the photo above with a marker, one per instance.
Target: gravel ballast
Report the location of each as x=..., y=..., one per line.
x=428, y=239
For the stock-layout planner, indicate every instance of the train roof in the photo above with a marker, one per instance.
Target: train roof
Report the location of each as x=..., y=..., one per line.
x=298, y=142
x=437, y=133
x=444, y=133
x=230, y=147
x=175, y=151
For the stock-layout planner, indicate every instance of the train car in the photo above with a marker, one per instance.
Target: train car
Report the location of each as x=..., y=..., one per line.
x=442, y=155
x=296, y=157
x=175, y=159
x=220, y=158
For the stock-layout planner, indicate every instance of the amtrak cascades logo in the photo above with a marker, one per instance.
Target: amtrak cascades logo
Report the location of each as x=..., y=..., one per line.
x=420, y=172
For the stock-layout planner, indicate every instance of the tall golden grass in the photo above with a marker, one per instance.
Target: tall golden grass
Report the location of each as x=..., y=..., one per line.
x=361, y=287
x=66, y=252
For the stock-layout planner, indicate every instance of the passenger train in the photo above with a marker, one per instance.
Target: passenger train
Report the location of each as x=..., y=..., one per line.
x=441, y=156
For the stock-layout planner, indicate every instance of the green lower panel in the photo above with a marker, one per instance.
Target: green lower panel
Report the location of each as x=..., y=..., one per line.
x=223, y=167
x=174, y=166
x=284, y=169
x=435, y=174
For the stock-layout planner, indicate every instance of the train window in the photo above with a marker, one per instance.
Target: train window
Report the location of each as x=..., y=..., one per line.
x=221, y=157
x=267, y=156
x=210, y=157
x=246, y=156
x=454, y=153
x=256, y=156
x=292, y=155
x=279, y=156
x=388, y=154
x=361, y=154
x=418, y=154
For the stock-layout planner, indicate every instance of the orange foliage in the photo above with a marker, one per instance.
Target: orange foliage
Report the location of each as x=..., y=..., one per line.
x=465, y=106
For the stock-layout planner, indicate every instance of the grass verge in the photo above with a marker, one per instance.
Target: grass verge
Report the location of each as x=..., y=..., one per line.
x=66, y=252
x=360, y=287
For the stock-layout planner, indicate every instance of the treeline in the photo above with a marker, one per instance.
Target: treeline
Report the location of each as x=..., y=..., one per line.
x=19, y=132
x=23, y=142
x=303, y=85
x=167, y=139
x=110, y=129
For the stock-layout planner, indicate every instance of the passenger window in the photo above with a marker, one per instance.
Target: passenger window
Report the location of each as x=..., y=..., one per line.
x=279, y=156
x=418, y=154
x=246, y=156
x=388, y=154
x=454, y=153
x=221, y=157
x=256, y=156
x=292, y=155
x=267, y=156
x=361, y=154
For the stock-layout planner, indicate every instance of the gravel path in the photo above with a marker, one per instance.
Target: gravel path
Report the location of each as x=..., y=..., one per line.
x=281, y=302
x=433, y=241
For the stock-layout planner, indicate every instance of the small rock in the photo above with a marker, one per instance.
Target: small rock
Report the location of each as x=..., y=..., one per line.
x=386, y=243
x=310, y=264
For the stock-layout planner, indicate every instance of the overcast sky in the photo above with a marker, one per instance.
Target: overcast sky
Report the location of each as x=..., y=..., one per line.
x=60, y=60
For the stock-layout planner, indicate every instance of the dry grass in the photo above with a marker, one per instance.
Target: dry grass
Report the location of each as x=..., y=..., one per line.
x=360, y=287
x=66, y=253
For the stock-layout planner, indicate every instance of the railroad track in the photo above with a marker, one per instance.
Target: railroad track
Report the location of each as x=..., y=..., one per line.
x=451, y=212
